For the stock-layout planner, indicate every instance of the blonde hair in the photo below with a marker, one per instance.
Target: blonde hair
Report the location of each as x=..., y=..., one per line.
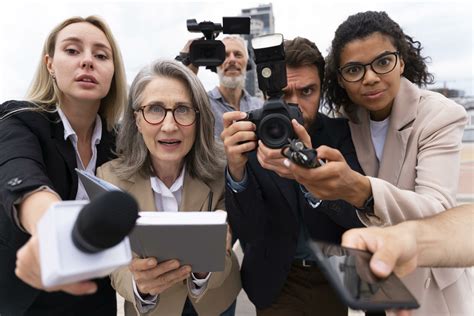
x=44, y=93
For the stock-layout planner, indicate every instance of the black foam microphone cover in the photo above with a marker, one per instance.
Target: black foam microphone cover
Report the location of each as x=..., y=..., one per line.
x=105, y=221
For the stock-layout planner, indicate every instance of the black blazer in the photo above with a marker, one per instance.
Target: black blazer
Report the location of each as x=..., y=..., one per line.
x=264, y=216
x=33, y=152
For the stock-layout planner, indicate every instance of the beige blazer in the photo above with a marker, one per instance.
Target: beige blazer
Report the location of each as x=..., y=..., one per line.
x=222, y=287
x=418, y=177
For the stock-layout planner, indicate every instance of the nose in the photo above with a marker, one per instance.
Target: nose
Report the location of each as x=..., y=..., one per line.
x=86, y=62
x=231, y=57
x=169, y=124
x=370, y=76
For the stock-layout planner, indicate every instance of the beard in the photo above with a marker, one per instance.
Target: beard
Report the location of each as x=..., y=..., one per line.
x=231, y=82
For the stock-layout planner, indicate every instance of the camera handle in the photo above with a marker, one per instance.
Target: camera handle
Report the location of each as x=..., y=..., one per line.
x=297, y=152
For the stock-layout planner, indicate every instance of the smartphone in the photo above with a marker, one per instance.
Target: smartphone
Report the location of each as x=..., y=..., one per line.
x=348, y=271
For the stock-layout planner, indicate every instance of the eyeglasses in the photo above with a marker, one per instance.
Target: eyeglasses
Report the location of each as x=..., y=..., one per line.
x=381, y=65
x=155, y=114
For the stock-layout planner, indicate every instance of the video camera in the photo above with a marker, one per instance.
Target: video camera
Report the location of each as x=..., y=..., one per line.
x=273, y=120
x=209, y=51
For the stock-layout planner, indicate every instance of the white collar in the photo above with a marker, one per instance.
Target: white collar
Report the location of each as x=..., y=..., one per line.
x=159, y=187
x=68, y=130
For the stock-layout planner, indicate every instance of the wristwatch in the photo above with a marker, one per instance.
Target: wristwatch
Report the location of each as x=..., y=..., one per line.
x=184, y=58
x=368, y=206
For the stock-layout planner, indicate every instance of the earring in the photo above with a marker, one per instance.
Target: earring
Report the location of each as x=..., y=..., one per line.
x=53, y=75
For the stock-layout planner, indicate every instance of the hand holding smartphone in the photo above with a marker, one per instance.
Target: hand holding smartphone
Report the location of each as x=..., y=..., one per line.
x=348, y=271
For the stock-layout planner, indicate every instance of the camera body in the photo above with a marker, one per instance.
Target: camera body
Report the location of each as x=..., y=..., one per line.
x=273, y=120
x=209, y=51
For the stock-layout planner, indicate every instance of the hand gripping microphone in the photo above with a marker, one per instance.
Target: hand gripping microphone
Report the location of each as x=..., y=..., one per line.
x=79, y=240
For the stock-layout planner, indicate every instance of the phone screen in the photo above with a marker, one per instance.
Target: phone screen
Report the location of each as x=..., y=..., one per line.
x=349, y=272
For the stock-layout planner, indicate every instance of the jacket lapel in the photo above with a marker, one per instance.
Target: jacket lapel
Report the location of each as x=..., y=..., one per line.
x=364, y=147
x=66, y=150
x=401, y=120
x=196, y=195
x=140, y=188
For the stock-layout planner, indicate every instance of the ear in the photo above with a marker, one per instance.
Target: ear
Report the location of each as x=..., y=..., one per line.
x=402, y=66
x=137, y=121
x=340, y=81
x=48, y=60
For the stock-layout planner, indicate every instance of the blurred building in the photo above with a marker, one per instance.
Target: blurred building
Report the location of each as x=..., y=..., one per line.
x=262, y=22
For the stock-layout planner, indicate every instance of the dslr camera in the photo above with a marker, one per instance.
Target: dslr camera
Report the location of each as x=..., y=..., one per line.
x=208, y=51
x=273, y=120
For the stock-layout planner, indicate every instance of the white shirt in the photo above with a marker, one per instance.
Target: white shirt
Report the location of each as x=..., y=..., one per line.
x=96, y=137
x=168, y=200
x=378, y=131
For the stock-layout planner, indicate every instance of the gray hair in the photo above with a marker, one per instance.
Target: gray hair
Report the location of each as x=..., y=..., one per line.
x=239, y=39
x=206, y=159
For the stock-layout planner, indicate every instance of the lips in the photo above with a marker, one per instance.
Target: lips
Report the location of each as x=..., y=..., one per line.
x=372, y=93
x=87, y=79
x=232, y=68
x=169, y=142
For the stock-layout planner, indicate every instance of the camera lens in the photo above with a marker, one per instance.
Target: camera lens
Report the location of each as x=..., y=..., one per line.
x=274, y=130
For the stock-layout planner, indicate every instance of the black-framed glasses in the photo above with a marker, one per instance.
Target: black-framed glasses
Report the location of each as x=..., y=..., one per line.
x=381, y=65
x=155, y=114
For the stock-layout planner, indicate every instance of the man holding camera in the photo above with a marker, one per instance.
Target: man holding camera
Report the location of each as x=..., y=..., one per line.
x=271, y=213
x=230, y=95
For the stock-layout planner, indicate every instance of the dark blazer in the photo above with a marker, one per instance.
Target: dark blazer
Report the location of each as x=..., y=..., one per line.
x=264, y=216
x=33, y=152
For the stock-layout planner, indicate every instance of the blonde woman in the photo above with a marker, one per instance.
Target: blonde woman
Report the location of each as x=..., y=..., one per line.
x=75, y=100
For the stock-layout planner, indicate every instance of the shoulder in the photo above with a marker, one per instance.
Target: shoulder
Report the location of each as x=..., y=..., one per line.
x=435, y=112
x=434, y=104
x=27, y=113
x=107, y=171
x=332, y=122
x=216, y=184
x=329, y=129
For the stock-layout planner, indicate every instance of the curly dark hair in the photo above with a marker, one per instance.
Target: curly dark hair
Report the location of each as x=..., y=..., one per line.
x=362, y=25
x=300, y=52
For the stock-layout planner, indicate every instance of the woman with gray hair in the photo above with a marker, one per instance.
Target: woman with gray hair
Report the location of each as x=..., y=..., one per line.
x=171, y=163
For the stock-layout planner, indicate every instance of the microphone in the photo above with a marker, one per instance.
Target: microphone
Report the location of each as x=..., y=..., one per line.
x=79, y=240
x=105, y=222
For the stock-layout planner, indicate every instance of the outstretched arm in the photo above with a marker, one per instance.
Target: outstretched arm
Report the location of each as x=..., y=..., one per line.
x=443, y=240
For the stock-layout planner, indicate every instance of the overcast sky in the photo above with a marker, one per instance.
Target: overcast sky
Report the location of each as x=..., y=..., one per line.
x=146, y=30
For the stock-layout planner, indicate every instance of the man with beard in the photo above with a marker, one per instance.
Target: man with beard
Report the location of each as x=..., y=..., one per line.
x=272, y=214
x=230, y=95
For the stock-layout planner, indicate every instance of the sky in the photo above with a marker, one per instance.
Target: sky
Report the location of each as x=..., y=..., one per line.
x=147, y=30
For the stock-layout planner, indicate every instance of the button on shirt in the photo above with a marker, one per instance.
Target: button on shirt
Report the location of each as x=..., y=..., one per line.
x=69, y=133
x=220, y=106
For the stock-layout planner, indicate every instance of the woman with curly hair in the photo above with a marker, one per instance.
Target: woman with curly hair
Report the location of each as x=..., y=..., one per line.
x=407, y=139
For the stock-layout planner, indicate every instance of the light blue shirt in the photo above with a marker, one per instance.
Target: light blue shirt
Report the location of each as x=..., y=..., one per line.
x=220, y=106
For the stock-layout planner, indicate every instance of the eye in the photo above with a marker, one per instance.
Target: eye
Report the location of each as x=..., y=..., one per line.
x=306, y=91
x=352, y=69
x=155, y=108
x=102, y=56
x=182, y=109
x=384, y=61
x=71, y=51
